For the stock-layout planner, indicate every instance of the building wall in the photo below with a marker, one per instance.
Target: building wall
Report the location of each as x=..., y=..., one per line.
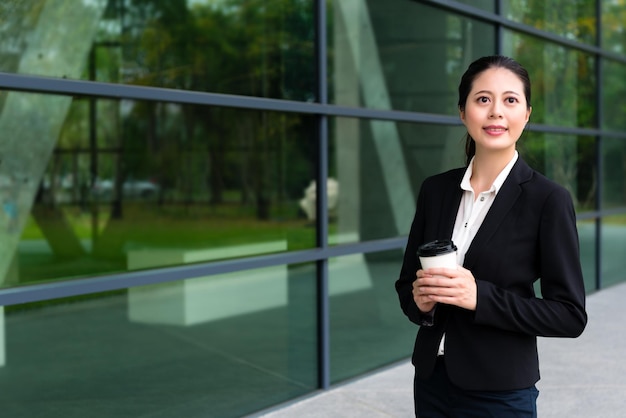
x=205, y=203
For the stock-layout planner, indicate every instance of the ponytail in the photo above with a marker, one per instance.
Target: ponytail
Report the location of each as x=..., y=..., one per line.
x=470, y=149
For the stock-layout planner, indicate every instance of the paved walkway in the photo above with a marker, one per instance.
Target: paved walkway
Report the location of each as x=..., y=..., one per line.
x=581, y=378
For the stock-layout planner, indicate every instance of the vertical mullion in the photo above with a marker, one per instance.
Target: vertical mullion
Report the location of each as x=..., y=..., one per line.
x=93, y=146
x=499, y=28
x=598, y=148
x=323, y=302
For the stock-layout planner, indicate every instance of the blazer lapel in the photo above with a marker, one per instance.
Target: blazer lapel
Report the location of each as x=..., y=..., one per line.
x=450, y=206
x=505, y=200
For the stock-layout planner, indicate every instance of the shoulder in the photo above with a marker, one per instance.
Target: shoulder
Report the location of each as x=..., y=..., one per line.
x=541, y=187
x=449, y=177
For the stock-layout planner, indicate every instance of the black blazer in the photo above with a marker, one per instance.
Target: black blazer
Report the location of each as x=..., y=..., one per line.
x=528, y=234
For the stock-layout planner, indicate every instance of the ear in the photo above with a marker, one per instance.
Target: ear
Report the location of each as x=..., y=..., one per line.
x=462, y=114
x=528, y=112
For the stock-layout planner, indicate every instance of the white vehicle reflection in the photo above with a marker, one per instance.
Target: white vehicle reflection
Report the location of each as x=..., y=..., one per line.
x=142, y=189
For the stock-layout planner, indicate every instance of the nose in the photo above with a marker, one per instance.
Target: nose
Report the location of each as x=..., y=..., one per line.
x=496, y=112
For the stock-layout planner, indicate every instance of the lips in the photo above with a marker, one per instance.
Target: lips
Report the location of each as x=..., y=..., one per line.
x=495, y=129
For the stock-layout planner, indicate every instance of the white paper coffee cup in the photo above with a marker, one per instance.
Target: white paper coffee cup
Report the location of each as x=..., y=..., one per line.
x=439, y=253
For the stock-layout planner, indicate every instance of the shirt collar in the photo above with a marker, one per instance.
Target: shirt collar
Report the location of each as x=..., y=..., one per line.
x=497, y=183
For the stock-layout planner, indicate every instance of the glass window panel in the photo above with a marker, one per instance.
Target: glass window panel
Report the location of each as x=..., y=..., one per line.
x=111, y=180
x=614, y=95
x=367, y=326
x=575, y=20
x=380, y=166
x=567, y=159
x=563, y=80
x=587, y=238
x=204, y=350
x=614, y=26
x=613, y=249
x=401, y=55
x=614, y=176
x=255, y=48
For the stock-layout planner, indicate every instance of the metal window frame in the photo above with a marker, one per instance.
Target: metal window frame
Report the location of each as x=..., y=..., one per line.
x=321, y=201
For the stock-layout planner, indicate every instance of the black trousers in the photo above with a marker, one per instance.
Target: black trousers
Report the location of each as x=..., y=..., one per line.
x=437, y=397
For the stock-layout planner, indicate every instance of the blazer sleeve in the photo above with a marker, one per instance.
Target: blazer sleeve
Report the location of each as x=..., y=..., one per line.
x=560, y=311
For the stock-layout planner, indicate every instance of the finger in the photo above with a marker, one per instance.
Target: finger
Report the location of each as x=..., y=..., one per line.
x=433, y=281
x=422, y=273
x=443, y=271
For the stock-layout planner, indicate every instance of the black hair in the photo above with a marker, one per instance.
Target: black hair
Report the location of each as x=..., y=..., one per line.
x=473, y=71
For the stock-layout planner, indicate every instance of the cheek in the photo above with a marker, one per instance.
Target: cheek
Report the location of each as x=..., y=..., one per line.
x=472, y=119
x=521, y=118
x=474, y=125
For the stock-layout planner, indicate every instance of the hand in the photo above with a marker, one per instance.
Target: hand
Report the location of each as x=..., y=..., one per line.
x=422, y=299
x=444, y=285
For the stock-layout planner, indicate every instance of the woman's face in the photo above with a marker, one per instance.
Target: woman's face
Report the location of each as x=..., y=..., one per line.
x=496, y=111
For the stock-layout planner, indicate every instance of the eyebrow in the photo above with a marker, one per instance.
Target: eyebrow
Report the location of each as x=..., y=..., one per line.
x=489, y=92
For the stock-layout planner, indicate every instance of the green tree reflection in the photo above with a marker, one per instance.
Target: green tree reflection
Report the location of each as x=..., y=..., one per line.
x=234, y=47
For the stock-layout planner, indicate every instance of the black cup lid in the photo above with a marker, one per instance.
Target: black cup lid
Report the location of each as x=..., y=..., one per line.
x=437, y=247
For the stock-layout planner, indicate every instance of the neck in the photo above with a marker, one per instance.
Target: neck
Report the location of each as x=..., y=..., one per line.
x=486, y=168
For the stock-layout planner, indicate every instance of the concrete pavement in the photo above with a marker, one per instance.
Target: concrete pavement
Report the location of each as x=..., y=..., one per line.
x=581, y=378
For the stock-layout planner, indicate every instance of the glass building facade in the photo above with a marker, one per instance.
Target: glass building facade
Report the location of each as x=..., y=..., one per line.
x=205, y=202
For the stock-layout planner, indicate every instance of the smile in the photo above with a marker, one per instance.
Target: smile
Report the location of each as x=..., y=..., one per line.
x=495, y=130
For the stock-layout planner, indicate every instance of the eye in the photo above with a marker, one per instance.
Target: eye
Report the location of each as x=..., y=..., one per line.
x=511, y=100
x=483, y=99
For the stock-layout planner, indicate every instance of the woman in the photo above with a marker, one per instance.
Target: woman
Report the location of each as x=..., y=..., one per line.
x=475, y=353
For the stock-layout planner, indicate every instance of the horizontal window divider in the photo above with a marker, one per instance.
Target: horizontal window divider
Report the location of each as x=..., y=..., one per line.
x=561, y=130
x=600, y=213
x=66, y=288
x=97, y=89
x=491, y=17
x=585, y=216
x=49, y=85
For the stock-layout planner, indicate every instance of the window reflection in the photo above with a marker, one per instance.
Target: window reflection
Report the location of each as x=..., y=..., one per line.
x=587, y=238
x=563, y=80
x=568, y=160
x=204, y=350
x=614, y=176
x=614, y=95
x=251, y=47
x=380, y=166
x=214, y=182
x=613, y=249
x=613, y=26
x=404, y=55
x=367, y=326
x=571, y=19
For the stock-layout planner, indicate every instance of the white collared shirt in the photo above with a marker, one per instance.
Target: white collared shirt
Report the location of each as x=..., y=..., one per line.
x=472, y=212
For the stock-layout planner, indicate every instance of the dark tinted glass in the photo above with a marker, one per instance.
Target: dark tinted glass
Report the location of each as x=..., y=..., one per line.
x=368, y=329
x=614, y=95
x=613, y=26
x=222, y=346
x=587, y=238
x=614, y=175
x=563, y=81
x=613, y=249
x=569, y=160
x=402, y=55
x=379, y=167
x=90, y=184
x=248, y=47
x=571, y=19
